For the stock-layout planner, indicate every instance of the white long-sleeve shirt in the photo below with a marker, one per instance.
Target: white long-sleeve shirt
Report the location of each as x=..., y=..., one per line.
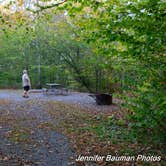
x=25, y=80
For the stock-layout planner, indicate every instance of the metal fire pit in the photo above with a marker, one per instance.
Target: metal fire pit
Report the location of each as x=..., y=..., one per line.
x=103, y=99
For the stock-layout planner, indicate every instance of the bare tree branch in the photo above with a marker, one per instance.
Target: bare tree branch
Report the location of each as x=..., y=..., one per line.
x=43, y=7
x=51, y=6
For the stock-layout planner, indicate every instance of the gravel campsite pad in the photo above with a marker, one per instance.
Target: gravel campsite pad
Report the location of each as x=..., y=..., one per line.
x=82, y=99
x=24, y=140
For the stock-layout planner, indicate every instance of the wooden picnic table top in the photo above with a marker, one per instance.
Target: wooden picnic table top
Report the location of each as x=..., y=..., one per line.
x=53, y=85
x=54, y=88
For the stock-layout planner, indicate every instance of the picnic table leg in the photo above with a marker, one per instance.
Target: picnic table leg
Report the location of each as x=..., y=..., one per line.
x=45, y=91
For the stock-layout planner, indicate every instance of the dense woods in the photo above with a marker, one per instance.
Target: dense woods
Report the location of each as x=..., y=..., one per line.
x=96, y=46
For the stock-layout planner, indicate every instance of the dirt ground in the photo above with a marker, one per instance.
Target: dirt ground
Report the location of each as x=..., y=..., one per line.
x=23, y=142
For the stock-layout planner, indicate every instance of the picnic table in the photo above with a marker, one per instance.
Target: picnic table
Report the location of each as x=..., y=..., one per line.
x=53, y=85
x=54, y=88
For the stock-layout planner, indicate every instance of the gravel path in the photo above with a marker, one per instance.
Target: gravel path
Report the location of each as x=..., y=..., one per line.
x=82, y=99
x=22, y=141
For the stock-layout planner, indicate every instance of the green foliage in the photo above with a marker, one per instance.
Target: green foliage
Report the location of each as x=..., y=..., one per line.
x=148, y=114
x=128, y=39
x=103, y=46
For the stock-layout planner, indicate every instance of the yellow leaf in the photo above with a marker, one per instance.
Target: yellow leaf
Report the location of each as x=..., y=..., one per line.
x=20, y=2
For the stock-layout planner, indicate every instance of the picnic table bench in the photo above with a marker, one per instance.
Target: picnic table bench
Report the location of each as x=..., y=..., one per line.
x=56, y=89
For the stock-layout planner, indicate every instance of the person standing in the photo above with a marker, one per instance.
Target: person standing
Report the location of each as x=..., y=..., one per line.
x=25, y=83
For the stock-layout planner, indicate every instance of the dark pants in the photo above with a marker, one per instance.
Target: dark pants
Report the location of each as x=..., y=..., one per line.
x=26, y=88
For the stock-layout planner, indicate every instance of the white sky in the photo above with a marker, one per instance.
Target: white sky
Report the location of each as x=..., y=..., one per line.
x=28, y=3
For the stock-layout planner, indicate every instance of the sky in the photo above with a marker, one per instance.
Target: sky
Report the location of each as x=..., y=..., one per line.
x=5, y=1
x=28, y=3
x=14, y=6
